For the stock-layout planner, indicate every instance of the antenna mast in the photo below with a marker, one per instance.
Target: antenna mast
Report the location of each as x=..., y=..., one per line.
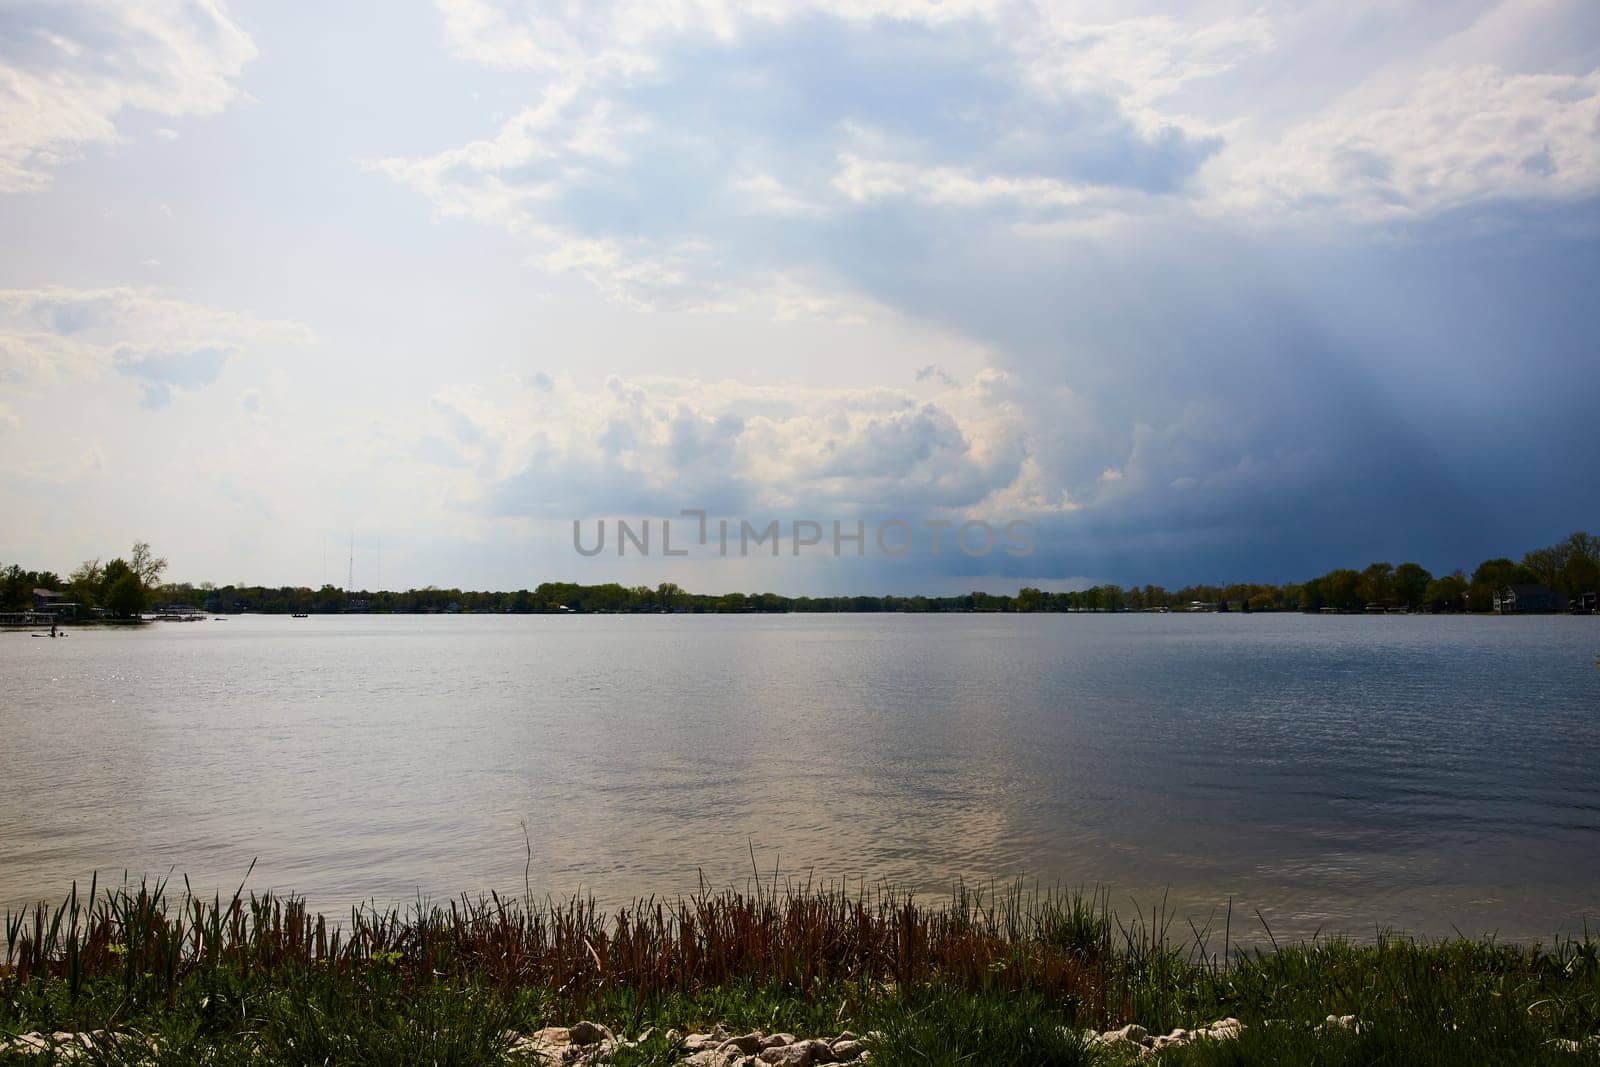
x=350, y=579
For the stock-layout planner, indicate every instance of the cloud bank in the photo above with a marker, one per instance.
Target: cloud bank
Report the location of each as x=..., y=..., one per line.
x=1205, y=292
x=69, y=72
x=1233, y=293
x=54, y=336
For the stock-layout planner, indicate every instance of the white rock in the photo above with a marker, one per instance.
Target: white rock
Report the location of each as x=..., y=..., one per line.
x=715, y=1057
x=1133, y=1033
x=551, y=1035
x=798, y=1054
x=26, y=1043
x=745, y=1044
x=1173, y=1040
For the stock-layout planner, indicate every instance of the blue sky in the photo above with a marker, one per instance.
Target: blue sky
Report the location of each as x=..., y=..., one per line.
x=1204, y=292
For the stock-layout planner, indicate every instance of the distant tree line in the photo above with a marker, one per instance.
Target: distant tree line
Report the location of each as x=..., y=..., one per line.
x=126, y=587
x=1570, y=567
x=119, y=589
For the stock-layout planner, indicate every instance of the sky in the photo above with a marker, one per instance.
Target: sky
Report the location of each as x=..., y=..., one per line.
x=1205, y=292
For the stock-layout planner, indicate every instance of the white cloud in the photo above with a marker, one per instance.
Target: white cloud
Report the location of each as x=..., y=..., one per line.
x=863, y=181
x=653, y=445
x=69, y=70
x=672, y=150
x=766, y=195
x=1452, y=137
x=600, y=175
x=52, y=335
x=1144, y=61
x=616, y=38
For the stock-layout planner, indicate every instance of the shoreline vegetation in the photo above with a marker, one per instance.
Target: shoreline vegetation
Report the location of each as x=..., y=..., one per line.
x=1003, y=976
x=126, y=589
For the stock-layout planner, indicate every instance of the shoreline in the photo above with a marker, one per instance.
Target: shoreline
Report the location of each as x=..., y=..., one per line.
x=1005, y=977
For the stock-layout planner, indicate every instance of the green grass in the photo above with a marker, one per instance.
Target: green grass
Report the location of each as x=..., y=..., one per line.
x=1384, y=1045
x=938, y=1028
x=1005, y=977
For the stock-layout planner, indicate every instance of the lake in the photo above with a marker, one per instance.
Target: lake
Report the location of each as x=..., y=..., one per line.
x=1337, y=773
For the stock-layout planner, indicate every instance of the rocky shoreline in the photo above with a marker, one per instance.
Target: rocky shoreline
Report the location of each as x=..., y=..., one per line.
x=591, y=1044
x=588, y=1044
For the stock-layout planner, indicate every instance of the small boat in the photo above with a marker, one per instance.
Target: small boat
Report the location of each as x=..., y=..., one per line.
x=300, y=615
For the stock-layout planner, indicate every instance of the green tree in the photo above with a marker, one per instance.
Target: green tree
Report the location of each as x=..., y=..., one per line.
x=84, y=583
x=1341, y=588
x=13, y=585
x=1447, y=593
x=110, y=574
x=125, y=597
x=1501, y=571
x=1546, y=564
x=1411, y=584
x=1581, y=574
x=1571, y=566
x=1377, y=584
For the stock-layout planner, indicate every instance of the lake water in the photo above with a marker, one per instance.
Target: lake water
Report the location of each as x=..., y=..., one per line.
x=1336, y=773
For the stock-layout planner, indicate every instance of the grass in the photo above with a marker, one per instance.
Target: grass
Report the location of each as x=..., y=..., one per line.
x=936, y=1028
x=1007, y=976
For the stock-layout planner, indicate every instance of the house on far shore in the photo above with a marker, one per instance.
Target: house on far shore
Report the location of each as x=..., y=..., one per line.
x=1588, y=603
x=1528, y=600
x=50, y=602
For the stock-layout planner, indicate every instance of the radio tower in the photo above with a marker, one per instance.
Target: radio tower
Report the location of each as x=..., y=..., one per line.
x=350, y=579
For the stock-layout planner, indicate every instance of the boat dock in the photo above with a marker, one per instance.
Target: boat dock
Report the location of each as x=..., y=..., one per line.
x=25, y=619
